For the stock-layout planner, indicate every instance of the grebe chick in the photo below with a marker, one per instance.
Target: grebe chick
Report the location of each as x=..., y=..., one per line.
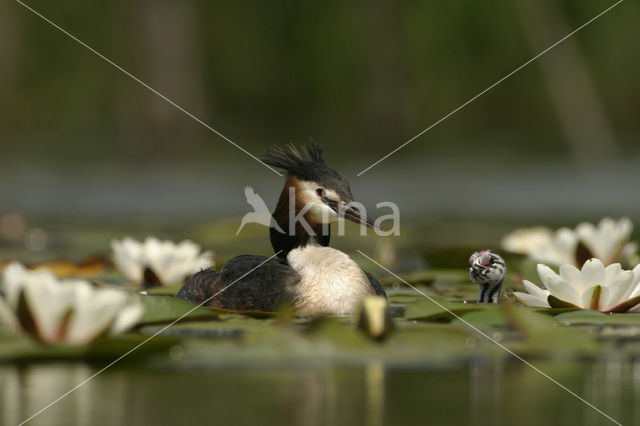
x=487, y=269
x=307, y=274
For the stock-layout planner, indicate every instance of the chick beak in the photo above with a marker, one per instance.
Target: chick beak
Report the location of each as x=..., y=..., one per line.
x=476, y=267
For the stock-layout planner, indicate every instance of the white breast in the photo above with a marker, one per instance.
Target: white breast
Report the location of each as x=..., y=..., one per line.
x=331, y=282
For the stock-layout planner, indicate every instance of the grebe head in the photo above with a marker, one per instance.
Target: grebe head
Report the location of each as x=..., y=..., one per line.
x=487, y=269
x=319, y=190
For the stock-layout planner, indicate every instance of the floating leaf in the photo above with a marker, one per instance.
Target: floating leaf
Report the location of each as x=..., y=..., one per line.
x=555, y=311
x=21, y=349
x=170, y=290
x=488, y=317
x=439, y=308
x=542, y=336
x=161, y=309
x=228, y=327
x=587, y=317
x=252, y=314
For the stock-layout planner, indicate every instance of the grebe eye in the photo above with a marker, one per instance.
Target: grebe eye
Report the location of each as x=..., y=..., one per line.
x=321, y=192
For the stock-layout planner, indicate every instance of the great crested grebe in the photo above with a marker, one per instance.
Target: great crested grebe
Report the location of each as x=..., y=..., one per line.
x=487, y=269
x=306, y=274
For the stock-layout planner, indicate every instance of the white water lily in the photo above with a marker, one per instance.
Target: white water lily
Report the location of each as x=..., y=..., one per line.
x=67, y=311
x=158, y=262
x=608, y=241
x=524, y=240
x=596, y=287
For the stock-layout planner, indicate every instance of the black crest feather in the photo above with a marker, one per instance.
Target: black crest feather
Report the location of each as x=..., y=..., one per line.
x=310, y=167
x=290, y=159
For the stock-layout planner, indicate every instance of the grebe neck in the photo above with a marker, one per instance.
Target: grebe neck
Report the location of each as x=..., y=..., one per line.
x=297, y=235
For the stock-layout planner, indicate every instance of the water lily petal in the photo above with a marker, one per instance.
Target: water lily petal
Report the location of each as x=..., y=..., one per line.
x=69, y=311
x=619, y=288
x=636, y=283
x=127, y=257
x=565, y=242
x=127, y=318
x=558, y=286
x=48, y=303
x=6, y=315
x=611, y=271
x=174, y=263
x=13, y=279
x=572, y=275
x=628, y=251
x=607, y=239
x=154, y=250
x=524, y=240
x=545, y=273
x=593, y=273
x=531, y=300
x=536, y=291
x=94, y=312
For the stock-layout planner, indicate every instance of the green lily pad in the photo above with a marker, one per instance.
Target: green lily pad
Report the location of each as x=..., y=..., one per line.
x=555, y=311
x=252, y=314
x=227, y=327
x=427, y=277
x=20, y=348
x=485, y=318
x=403, y=298
x=542, y=336
x=170, y=290
x=163, y=309
x=587, y=317
x=429, y=310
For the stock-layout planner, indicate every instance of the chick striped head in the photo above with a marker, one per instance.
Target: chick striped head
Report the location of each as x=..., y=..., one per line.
x=487, y=269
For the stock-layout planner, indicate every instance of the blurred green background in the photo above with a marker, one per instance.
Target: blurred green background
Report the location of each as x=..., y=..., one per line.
x=88, y=155
x=555, y=143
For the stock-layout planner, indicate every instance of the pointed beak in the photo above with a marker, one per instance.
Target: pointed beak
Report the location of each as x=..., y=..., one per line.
x=353, y=214
x=476, y=267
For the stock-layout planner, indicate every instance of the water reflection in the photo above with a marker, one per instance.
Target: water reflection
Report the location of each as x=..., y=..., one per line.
x=614, y=387
x=25, y=390
x=375, y=384
x=486, y=392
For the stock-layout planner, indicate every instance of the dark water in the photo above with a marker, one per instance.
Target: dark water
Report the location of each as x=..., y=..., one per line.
x=424, y=188
x=479, y=393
